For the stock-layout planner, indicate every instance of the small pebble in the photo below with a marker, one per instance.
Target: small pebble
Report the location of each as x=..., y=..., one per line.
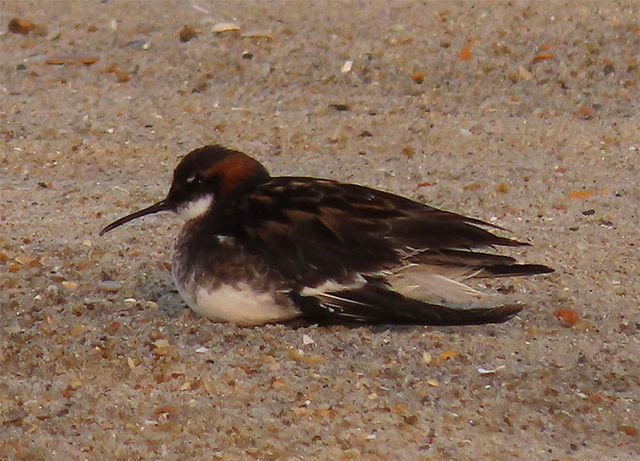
x=489, y=371
x=121, y=76
x=70, y=285
x=418, y=77
x=257, y=34
x=339, y=107
x=141, y=44
x=225, y=27
x=108, y=286
x=187, y=33
x=20, y=26
x=524, y=73
x=71, y=59
x=23, y=259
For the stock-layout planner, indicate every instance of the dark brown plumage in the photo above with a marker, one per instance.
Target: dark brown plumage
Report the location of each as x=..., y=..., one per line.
x=322, y=249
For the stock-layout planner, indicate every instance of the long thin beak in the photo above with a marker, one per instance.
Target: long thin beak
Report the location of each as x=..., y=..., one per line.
x=160, y=206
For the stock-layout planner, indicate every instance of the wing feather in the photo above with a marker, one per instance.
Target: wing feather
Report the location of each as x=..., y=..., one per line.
x=336, y=228
x=374, y=303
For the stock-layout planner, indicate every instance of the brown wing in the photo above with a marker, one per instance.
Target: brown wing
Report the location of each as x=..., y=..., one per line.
x=313, y=230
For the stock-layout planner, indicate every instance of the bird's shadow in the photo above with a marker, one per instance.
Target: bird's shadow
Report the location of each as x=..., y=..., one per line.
x=160, y=289
x=489, y=330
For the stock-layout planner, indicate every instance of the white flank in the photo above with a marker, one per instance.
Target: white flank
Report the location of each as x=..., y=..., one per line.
x=242, y=305
x=331, y=286
x=425, y=283
x=195, y=208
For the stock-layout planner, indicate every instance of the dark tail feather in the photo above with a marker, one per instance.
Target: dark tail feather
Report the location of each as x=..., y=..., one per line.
x=492, y=265
x=461, y=258
x=510, y=270
x=376, y=304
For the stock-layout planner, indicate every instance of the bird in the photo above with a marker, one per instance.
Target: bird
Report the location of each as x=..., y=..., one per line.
x=257, y=249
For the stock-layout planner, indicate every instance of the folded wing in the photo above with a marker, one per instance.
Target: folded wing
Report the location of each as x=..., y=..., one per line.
x=323, y=233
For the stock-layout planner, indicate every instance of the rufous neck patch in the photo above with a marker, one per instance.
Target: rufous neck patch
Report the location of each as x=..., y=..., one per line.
x=233, y=171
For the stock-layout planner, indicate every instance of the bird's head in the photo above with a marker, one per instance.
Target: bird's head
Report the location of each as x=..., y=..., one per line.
x=203, y=178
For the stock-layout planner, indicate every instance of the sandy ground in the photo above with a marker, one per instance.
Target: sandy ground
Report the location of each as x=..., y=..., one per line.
x=526, y=114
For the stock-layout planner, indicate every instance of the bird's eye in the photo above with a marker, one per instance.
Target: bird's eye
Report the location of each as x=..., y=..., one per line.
x=194, y=179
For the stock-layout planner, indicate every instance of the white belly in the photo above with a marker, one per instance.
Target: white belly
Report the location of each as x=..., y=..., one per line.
x=238, y=304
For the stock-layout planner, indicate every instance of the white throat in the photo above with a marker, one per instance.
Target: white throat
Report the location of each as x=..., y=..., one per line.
x=195, y=208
